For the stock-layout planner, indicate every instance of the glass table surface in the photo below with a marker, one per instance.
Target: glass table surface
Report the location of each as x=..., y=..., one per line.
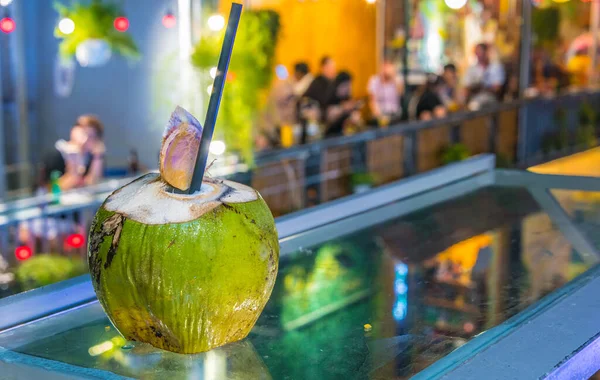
x=385, y=301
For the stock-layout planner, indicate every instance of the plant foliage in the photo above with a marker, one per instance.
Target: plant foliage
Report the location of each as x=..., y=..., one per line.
x=585, y=134
x=250, y=75
x=46, y=269
x=454, y=153
x=94, y=20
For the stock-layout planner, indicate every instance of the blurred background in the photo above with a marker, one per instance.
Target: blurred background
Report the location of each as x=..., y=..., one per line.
x=324, y=99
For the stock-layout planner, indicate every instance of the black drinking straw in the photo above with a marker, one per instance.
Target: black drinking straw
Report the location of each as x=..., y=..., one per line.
x=215, y=96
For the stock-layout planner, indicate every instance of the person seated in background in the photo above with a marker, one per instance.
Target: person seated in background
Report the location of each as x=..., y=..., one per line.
x=448, y=91
x=342, y=111
x=578, y=67
x=426, y=104
x=385, y=90
x=484, y=79
x=510, y=88
x=302, y=78
x=79, y=161
x=546, y=76
x=280, y=109
x=322, y=87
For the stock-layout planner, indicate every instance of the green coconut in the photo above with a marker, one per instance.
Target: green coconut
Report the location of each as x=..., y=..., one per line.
x=185, y=273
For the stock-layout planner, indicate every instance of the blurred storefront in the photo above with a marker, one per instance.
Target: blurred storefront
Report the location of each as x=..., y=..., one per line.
x=437, y=32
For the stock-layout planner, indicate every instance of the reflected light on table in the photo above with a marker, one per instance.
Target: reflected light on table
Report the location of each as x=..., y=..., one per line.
x=215, y=365
x=401, y=289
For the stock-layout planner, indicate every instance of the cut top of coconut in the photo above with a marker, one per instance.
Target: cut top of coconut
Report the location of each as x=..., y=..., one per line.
x=148, y=200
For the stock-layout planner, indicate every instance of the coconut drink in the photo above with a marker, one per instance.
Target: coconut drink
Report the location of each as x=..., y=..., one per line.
x=183, y=272
x=184, y=262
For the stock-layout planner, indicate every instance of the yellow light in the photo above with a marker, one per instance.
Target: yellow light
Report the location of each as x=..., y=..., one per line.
x=455, y=4
x=66, y=26
x=216, y=22
x=213, y=72
x=371, y=1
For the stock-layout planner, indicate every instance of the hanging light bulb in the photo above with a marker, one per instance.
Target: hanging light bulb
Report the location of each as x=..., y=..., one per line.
x=371, y=1
x=455, y=4
x=5, y=3
x=66, y=26
x=7, y=25
x=121, y=24
x=23, y=252
x=169, y=20
x=216, y=22
x=213, y=72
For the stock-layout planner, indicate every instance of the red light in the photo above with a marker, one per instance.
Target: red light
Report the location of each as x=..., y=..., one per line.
x=169, y=21
x=469, y=327
x=23, y=252
x=7, y=25
x=121, y=24
x=75, y=240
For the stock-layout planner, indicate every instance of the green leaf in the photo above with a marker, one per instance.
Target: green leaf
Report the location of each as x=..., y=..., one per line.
x=252, y=66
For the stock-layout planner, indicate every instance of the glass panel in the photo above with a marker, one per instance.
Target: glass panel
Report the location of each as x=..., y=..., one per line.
x=584, y=209
x=384, y=302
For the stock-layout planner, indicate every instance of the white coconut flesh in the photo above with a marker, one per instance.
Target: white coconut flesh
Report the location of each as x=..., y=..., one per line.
x=149, y=200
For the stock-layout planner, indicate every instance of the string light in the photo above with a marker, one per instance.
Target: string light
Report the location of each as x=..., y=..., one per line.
x=75, y=241
x=121, y=24
x=169, y=20
x=216, y=22
x=7, y=25
x=66, y=26
x=209, y=89
x=213, y=72
x=23, y=253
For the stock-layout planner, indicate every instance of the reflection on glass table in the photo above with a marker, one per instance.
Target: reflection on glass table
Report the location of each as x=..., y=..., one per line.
x=586, y=164
x=384, y=301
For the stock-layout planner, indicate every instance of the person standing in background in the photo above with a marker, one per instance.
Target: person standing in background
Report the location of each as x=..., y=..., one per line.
x=385, y=91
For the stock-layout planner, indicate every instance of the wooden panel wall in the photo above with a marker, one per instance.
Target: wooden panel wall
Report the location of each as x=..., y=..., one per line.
x=507, y=137
x=281, y=184
x=385, y=159
x=475, y=135
x=430, y=142
x=336, y=168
